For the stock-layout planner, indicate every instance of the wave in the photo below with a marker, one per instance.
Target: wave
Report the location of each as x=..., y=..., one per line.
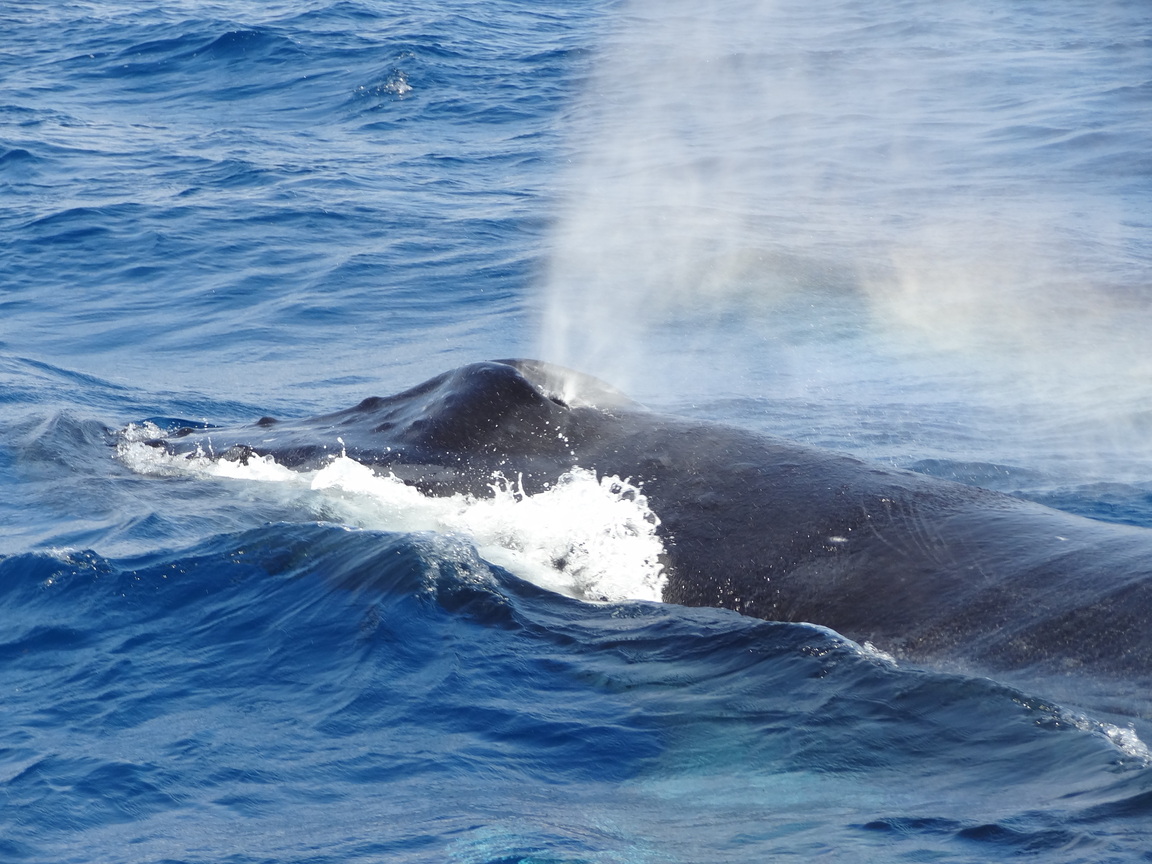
x=152, y=698
x=588, y=536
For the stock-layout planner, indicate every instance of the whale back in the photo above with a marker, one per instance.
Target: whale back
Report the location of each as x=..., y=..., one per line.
x=924, y=568
x=478, y=408
x=445, y=435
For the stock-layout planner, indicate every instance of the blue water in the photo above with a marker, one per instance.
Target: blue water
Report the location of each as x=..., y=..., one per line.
x=920, y=234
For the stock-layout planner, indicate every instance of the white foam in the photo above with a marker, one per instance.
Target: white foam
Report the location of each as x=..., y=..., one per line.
x=1124, y=739
x=1127, y=741
x=867, y=649
x=587, y=536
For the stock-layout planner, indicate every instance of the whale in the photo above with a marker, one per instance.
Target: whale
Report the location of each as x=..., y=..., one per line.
x=924, y=569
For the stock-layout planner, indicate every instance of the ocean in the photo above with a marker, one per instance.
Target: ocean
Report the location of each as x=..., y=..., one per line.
x=917, y=233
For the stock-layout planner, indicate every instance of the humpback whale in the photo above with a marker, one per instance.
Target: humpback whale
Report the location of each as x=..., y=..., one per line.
x=924, y=569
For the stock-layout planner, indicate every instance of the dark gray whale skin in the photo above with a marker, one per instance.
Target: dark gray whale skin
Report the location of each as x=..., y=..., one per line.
x=923, y=568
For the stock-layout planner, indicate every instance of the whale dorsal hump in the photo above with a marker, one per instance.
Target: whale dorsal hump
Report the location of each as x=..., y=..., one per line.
x=489, y=407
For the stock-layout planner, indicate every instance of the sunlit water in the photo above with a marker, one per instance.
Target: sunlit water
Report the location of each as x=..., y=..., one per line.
x=917, y=232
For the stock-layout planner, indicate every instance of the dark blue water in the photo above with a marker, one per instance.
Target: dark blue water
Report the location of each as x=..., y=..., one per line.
x=919, y=235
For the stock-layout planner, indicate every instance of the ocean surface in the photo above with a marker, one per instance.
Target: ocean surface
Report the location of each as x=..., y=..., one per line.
x=917, y=232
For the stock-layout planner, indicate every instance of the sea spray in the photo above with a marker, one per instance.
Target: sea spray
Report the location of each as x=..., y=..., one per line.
x=590, y=537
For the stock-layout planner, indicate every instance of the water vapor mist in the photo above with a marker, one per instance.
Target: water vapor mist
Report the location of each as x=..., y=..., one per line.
x=818, y=195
